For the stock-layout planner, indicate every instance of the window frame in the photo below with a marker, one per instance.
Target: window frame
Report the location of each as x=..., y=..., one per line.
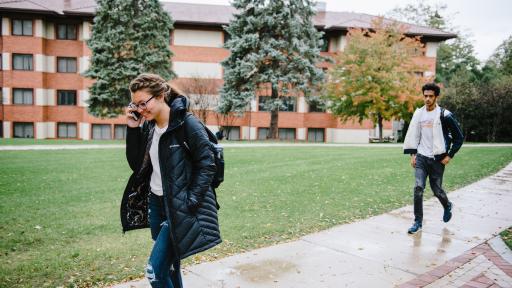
x=24, y=125
x=59, y=58
x=225, y=36
x=31, y=68
x=116, y=126
x=287, y=129
x=67, y=130
x=13, y=20
x=14, y=90
x=228, y=130
x=261, y=103
x=75, y=28
x=102, y=125
x=66, y=91
x=260, y=131
x=327, y=41
x=315, y=131
x=317, y=109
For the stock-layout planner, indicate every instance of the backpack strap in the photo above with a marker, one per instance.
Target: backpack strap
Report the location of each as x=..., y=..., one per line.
x=211, y=136
x=443, y=119
x=180, y=133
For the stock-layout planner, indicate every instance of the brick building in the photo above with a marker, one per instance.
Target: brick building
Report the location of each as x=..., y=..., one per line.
x=44, y=51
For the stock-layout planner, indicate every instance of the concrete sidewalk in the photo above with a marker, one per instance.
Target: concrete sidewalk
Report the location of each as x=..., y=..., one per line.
x=378, y=252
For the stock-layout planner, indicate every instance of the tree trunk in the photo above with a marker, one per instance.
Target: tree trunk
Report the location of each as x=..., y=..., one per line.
x=380, y=127
x=274, y=115
x=494, y=129
x=404, y=132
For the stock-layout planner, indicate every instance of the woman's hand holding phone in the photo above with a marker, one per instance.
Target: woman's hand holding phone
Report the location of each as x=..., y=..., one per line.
x=133, y=118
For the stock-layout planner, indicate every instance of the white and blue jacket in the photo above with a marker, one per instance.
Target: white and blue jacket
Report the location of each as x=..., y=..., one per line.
x=447, y=135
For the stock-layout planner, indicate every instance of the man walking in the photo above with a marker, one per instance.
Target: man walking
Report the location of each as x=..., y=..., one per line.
x=433, y=138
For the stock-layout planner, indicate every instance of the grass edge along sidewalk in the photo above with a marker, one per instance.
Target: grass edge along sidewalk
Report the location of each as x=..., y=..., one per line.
x=61, y=208
x=506, y=235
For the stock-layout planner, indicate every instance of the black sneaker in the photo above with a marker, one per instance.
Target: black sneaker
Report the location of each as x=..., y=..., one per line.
x=447, y=215
x=414, y=228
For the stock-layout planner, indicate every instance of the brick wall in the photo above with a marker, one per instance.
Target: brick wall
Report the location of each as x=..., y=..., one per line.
x=45, y=49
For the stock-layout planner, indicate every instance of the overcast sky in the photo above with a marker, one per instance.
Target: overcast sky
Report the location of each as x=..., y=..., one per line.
x=488, y=22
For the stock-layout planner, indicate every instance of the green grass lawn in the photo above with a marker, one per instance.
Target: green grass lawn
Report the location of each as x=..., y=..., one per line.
x=60, y=209
x=507, y=237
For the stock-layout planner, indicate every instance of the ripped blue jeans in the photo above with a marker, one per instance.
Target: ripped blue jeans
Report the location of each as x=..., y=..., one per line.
x=434, y=170
x=163, y=269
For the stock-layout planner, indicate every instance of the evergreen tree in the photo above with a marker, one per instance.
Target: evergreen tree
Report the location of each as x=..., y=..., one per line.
x=273, y=44
x=128, y=37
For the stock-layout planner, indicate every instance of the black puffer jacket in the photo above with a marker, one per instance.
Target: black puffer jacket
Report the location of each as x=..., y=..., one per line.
x=186, y=177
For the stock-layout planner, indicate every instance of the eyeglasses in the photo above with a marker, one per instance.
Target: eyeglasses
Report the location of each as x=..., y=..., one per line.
x=142, y=106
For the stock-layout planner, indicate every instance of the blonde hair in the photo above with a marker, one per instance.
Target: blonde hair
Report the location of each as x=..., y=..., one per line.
x=155, y=85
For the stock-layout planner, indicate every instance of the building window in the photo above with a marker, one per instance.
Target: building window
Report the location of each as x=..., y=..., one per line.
x=289, y=103
x=22, y=27
x=66, y=31
x=22, y=62
x=101, y=132
x=66, y=65
x=231, y=132
x=23, y=130
x=119, y=132
x=67, y=130
x=66, y=97
x=263, y=133
x=227, y=36
x=286, y=133
x=316, y=106
x=325, y=43
x=316, y=134
x=23, y=96
x=262, y=100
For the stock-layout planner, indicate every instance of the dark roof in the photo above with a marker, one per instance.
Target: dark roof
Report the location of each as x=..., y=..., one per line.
x=205, y=14
x=56, y=7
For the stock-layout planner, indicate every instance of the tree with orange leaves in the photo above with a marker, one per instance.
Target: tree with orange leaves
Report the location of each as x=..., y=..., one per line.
x=376, y=76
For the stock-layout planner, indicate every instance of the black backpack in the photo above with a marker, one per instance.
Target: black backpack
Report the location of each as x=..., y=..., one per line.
x=215, y=147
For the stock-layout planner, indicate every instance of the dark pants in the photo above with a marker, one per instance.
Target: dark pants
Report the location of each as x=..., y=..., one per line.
x=163, y=268
x=434, y=170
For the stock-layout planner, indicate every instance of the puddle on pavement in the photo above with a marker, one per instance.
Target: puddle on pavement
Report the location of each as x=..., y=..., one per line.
x=264, y=271
x=445, y=240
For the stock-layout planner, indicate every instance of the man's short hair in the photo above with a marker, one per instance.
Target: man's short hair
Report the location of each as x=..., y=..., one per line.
x=432, y=87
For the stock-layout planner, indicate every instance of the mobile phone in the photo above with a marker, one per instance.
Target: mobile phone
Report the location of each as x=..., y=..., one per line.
x=136, y=115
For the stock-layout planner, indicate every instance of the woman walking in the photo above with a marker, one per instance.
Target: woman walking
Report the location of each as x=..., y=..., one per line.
x=169, y=190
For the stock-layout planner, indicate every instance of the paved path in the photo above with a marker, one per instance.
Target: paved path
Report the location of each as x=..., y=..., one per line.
x=377, y=252
x=227, y=145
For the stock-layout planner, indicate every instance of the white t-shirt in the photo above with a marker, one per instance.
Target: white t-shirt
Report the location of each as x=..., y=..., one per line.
x=426, y=147
x=156, y=176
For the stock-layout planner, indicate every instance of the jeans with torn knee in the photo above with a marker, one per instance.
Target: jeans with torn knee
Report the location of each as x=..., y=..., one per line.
x=163, y=268
x=434, y=170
